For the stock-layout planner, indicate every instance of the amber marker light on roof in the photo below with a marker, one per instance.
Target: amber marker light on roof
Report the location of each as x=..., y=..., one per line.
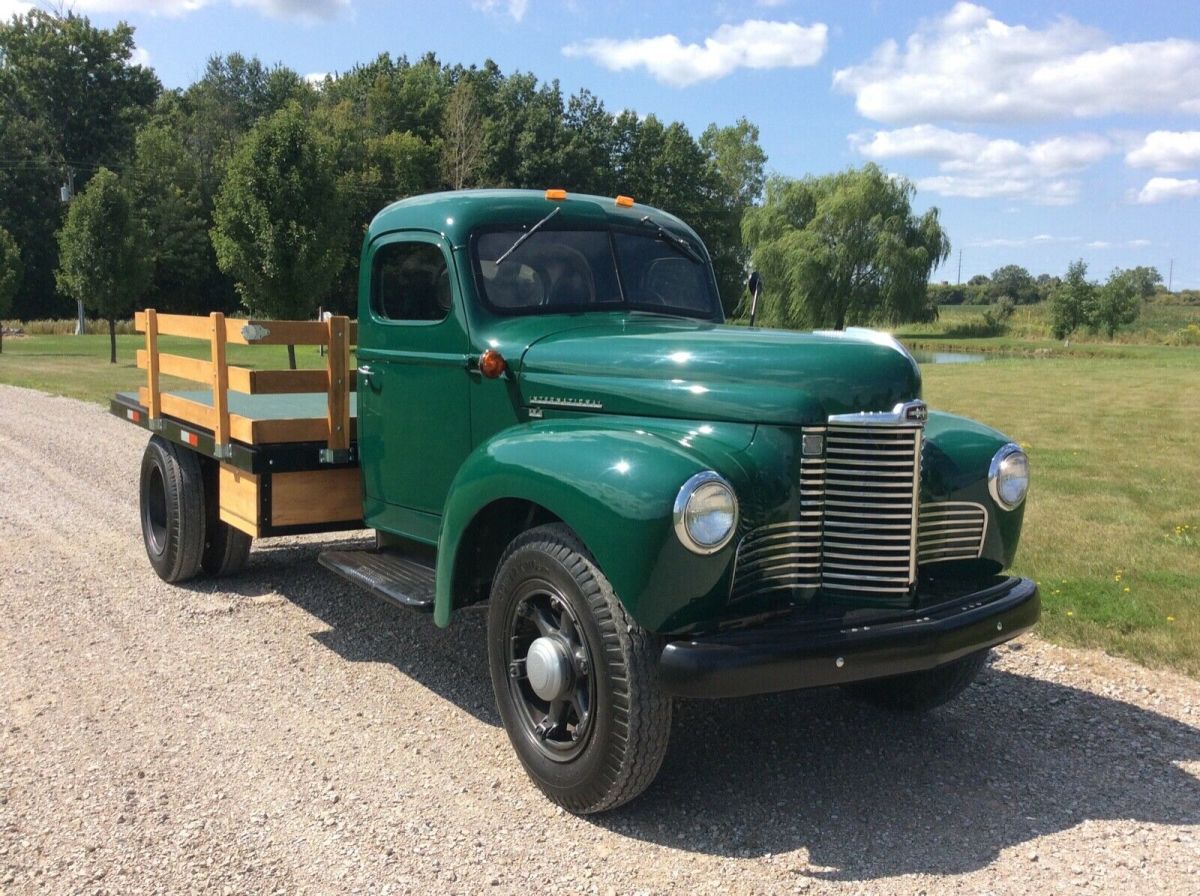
x=556, y=194
x=625, y=201
x=492, y=364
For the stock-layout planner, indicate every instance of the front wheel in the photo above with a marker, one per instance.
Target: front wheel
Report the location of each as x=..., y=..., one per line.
x=919, y=692
x=574, y=676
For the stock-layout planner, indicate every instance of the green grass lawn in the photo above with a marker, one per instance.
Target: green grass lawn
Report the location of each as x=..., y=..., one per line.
x=1112, y=527
x=1112, y=531
x=77, y=366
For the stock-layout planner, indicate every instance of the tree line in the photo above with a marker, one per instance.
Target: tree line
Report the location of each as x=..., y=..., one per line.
x=252, y=187
x=72, y=102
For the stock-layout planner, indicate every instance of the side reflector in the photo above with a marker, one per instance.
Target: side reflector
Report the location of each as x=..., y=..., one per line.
x=190, y=437
x=492, y=364
x=135, y=416
x=625, y=201
x=556, y=194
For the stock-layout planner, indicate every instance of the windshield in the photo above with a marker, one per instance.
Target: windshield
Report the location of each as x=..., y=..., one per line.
x=552, y=271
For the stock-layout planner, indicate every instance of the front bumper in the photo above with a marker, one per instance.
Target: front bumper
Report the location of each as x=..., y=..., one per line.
x=788, y=655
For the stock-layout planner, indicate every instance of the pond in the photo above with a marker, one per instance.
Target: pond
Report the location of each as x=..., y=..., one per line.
x=926, y=357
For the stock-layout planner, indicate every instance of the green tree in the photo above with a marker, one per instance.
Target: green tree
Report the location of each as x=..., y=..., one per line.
x=278, y=219
x=1145, y=280
x=165, y=183
x=10, y=277
x=69, y=96
x=462, y=138
x=1013, y=281
x=103, y=258
x=843, y=248
x=1070, y=306
x=1118, y=302
x=736, y=162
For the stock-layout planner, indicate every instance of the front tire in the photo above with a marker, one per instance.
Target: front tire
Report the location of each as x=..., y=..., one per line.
x=919, y=692
x=172, y=510
x=575, y=678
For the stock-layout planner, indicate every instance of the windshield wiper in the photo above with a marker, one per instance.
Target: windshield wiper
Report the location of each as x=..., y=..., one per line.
x=527, y=234
x=678, y=243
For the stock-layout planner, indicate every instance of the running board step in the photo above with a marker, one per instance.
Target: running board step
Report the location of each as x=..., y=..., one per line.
x=395, y=578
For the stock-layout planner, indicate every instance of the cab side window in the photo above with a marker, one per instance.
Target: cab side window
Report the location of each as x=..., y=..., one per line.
x=410, y=282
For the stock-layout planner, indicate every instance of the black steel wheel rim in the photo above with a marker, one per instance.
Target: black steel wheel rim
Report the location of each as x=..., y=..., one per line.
x=154, y=511
x=559, y=729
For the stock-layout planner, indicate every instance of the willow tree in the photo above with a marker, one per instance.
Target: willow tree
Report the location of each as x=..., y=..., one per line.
x=842, y=249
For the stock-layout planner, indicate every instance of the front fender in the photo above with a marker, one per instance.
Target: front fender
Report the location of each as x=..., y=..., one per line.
x=955, y=462
x=614, y=482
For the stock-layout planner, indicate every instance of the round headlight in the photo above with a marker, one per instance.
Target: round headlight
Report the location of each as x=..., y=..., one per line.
x=1008, y=477
x=706, y=513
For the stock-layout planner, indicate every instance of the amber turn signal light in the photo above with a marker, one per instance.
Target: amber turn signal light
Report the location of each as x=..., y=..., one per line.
x=492, y=364
x=556, y=194
x=625, y=201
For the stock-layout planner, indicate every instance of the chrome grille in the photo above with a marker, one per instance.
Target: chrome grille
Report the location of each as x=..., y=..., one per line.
x=786, y=556
x=872, y=475
x=951, y=530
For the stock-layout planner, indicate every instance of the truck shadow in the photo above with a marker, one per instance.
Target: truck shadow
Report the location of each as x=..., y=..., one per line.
x=871, y=795
x=866, y=795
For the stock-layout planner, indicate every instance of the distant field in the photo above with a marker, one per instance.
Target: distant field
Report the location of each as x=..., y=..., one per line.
x=1113, y=525
x=1029, y=331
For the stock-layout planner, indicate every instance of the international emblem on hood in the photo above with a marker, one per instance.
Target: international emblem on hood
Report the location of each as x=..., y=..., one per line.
x=914, y=412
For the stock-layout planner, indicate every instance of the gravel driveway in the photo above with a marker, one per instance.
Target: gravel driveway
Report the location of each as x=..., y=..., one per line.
x=283, y=732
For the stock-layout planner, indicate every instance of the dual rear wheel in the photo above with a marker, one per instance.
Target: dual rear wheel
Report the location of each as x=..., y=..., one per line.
x=181, y=525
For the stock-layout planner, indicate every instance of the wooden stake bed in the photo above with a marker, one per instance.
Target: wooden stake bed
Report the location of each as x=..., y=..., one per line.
x=284, y=439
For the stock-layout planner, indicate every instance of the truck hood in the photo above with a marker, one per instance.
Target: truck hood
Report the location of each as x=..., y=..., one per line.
x=661, y=367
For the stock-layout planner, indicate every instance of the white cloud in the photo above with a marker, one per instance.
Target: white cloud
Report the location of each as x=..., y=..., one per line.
x=141, y=56
x=1125, y=244
x=514, y=8
x=1167, y=151
x=977, y=167
x=752, y=44
x=1004, y=242
x=970, y=66
x=10, y=8
x=305, y=10
x=316, y=79
x=1161, y=189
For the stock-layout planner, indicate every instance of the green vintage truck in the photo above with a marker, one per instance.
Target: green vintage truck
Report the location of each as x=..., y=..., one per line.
x=548, y=413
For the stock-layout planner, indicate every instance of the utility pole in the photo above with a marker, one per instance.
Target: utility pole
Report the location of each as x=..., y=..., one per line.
x=959, y=267
x=1170, y=274
x=67, y=193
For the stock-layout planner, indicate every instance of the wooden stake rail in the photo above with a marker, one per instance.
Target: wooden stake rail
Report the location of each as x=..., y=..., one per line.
x=336, y=380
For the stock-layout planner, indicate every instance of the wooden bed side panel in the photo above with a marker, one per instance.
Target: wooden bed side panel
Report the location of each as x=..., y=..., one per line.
x=316, y=496
x=184, y=409
x=240, y=494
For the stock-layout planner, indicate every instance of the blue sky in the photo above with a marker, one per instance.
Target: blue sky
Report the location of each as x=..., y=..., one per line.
x=1043, y=131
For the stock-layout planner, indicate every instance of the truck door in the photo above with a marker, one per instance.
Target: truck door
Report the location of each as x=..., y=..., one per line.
x=414, y=427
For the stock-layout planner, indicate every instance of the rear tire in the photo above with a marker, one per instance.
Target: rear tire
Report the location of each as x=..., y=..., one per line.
x=919, y=692
x=226, y=549
x=172, y=510
x=593, y=733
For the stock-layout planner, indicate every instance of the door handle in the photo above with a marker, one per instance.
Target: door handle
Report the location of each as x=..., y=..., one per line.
x=367, y=373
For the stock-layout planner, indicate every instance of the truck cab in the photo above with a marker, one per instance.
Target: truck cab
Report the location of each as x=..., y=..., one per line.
x=552, y=416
